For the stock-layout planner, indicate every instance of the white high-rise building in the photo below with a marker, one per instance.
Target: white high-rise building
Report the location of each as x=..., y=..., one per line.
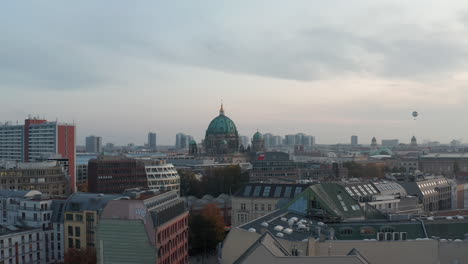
x=11, y=142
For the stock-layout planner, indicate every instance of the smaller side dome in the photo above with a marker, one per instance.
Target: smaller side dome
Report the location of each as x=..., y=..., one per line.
x=257, y=136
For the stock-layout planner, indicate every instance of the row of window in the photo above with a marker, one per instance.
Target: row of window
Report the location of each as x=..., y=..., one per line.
x=77, y=244
x=23, y=259
x=242, y=218
x=30, y=237
x=74, y=217
x=77, y=231
x=366, y=230
x=173, y=229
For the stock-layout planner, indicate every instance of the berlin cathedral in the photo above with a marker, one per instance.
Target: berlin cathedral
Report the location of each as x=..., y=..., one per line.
x=222, y=141
x=221, y=137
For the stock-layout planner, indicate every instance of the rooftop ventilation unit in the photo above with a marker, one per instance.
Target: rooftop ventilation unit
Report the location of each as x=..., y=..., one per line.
x=403, y=235
x=279, y=234
x=449, y=218
x=252, y=230
x=284, y=219
x=388, y=236
x=265, y=224
x=320, y=224
x=380, y=236
x=460, y=217
x=430, y=218
x=288, y=231
x=279, y=228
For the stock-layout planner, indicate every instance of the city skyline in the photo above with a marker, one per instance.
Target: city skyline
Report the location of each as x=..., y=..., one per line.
x=317, y=68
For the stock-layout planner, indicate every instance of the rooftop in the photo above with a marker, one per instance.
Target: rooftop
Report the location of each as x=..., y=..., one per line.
x=79, y=201
x=267, y=190
x=463, y=155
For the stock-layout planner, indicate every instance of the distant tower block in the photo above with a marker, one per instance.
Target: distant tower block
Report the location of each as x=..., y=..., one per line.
x=374, y=142
x=414, y=142
x=354, y=140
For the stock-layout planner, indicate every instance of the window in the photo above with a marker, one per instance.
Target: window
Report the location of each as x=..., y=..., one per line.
x=69, y=217
x=278, y=191
x=77, y=244
x=78, y=217
x=70, y=242
x=266, y=191
x=247, y=190
x=346, y=231
x=297, y=191
x=257, y=190
x=263, y=207
x=287, y=192
x=70, y=230
x=269, y=207
x=77, y=231
x=243, y=206
x=256, y=207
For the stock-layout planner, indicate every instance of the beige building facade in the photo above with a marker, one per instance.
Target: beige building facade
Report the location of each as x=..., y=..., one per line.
x=254, y=200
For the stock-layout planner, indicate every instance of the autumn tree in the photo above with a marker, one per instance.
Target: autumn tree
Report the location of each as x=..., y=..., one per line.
x=206, y=230
x=80, y=256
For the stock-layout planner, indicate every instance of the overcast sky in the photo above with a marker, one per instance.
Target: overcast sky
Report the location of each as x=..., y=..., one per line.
x=119, y=69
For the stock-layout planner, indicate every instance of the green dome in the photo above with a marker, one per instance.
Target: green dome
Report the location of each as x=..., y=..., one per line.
x=381, y=151
x=221, y=125
x=192, y=142
x=257, y=136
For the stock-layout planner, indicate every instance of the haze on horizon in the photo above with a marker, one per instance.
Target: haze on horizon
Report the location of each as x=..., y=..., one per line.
x=331, y=69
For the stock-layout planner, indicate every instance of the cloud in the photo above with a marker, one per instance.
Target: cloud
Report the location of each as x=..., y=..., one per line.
x=77, y=46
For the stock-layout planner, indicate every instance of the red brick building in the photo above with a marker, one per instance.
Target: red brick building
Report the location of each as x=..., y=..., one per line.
x=115, y=174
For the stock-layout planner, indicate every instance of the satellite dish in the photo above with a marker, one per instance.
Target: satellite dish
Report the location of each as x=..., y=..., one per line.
x=415, y=114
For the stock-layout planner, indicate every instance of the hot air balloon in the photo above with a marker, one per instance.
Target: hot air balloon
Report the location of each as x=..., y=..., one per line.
x=415, y=114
